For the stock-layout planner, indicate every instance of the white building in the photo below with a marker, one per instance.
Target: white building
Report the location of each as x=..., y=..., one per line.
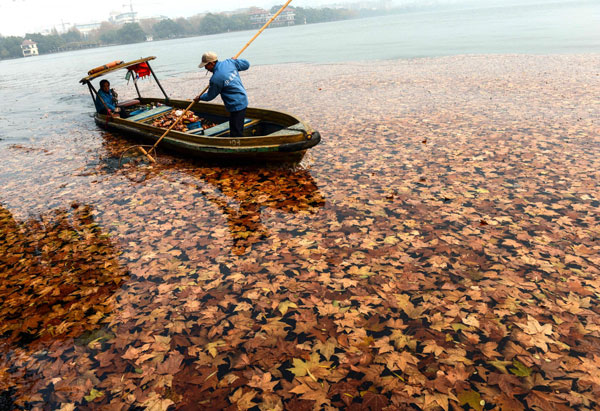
x=86, y=29
x=259, y=17
x=122, y=18
x=29, y=48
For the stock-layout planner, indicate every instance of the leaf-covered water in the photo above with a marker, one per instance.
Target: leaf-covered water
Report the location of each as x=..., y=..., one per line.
x=440, y=248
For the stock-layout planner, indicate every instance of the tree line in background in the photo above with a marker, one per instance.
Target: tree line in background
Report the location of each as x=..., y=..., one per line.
x=109, y=34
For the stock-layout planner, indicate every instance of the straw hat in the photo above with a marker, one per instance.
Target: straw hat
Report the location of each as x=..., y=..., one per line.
x=208, y=57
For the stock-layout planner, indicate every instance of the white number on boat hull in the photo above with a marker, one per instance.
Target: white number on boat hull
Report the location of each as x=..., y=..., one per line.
x=235, y=142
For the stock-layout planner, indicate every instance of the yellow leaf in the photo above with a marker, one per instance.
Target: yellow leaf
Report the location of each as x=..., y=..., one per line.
x=472, y=398
x=302, y=368
x=285, y=305
x=212, y=347
x=94, y=393
x=391, y=240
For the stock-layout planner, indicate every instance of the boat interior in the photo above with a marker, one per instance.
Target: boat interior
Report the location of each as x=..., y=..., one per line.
x=209, y=124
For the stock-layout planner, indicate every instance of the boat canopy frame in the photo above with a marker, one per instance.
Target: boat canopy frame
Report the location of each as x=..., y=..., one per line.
x=128, y=66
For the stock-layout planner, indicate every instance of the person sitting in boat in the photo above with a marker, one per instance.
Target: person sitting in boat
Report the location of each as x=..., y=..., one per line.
x=226, y=81
x=106, y=98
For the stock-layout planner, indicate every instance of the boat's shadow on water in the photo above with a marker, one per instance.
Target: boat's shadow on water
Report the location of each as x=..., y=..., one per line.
x=241, y=191
x=241, y=197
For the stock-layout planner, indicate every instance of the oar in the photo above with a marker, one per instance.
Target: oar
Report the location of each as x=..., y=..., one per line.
x=147, y=153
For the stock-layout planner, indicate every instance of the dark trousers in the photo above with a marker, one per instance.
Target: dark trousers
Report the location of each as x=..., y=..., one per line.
x=236, y=123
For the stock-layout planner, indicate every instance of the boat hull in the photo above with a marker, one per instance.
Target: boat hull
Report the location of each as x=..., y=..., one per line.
x=289, y=144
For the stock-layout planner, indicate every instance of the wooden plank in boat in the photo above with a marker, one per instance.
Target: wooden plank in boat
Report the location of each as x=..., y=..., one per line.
x=211, y=131
x=150, y=113
x=249, y=122
x=298, y=127
x=221, y=129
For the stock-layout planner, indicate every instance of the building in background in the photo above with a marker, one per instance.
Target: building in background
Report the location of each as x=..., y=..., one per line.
x=29, y=48
x=259, y=17
x=122, y=18
x=86, y=29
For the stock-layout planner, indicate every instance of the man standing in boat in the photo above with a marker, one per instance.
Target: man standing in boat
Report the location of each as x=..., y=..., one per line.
x=226, y=81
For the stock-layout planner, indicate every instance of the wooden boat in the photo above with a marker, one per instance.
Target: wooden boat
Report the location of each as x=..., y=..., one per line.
x=268, y=135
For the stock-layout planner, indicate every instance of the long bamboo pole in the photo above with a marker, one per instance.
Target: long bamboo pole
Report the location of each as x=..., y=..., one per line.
x=147, y=154
x=263, y=27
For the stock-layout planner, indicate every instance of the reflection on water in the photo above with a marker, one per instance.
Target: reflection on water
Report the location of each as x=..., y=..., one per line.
x=240, y=193
x=242, y=197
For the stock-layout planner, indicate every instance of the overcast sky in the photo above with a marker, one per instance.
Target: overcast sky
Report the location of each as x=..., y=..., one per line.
x=20, y=16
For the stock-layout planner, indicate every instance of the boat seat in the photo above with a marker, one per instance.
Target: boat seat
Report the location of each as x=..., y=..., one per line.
x=298, y=127
x=221, y=129
x=150, y=113
x=128, y=103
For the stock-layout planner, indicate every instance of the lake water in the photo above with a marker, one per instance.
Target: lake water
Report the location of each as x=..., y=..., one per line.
x=47, y=85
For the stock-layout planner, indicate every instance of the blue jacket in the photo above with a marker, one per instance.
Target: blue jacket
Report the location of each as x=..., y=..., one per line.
x=108, y=100
x=226, y=81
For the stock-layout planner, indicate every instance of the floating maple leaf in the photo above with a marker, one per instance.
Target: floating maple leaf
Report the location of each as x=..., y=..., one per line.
x=538, y=333
x=263, y=382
